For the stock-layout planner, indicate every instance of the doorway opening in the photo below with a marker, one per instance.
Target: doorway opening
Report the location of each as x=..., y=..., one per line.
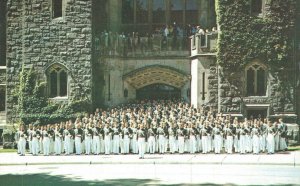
x=158, y=91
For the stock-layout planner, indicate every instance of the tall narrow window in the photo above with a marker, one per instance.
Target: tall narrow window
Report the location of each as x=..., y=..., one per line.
x=127, y=11
x=57, y=6
x=142, y=11
x=63, y=84
x=58, y=81
x=250, y=82
x=261, y=82
x=191, y=12
x=177, y=11
x=256, y=80
x=159, y=9
x=53, y=84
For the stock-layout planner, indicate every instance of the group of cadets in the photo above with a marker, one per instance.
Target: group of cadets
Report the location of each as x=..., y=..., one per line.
x=154, y=127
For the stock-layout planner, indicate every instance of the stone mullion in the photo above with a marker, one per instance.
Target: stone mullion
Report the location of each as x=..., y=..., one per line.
x=255, y=82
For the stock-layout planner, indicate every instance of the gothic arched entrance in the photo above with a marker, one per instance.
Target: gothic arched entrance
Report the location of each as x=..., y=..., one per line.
x=158, y=91
x=157, y=82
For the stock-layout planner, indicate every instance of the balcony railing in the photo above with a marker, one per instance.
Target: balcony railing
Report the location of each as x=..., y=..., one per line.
x=204, y=44
x=156, y=45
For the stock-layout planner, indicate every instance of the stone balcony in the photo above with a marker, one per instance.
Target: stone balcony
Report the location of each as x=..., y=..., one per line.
x=154, y=46
x=204, y=44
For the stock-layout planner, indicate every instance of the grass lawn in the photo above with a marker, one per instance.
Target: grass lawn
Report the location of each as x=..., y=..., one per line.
x=294, y=148
x=7, y=150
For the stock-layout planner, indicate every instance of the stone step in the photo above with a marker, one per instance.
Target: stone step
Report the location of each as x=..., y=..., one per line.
x=2, y=117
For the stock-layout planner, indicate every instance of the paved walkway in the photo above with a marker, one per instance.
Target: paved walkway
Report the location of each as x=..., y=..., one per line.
x=286, y=158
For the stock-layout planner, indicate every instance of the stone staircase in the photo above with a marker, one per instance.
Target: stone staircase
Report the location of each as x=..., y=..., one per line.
x=2, y=119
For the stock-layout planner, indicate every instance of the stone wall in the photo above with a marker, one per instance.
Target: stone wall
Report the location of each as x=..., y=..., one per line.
x=35, y=39
x=280, y=93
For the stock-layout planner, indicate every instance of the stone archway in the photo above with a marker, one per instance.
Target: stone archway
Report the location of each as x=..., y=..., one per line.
x=156, y=74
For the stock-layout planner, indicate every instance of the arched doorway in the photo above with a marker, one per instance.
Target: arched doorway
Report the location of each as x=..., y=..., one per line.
x=158, y=91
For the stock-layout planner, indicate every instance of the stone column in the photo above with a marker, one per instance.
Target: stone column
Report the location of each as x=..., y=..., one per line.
x=195, y=85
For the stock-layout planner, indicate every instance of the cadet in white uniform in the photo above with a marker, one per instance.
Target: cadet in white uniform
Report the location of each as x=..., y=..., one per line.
x=141, y=134
x=107, y=137
x=78, y=139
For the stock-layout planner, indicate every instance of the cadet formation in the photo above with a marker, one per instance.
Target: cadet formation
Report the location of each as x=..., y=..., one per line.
x=154, y=127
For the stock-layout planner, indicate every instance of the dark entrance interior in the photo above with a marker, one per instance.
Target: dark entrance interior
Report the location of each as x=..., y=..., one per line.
x=158, y=91
x=257, y=113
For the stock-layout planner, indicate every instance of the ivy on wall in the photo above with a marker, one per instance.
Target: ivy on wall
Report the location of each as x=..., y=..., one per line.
x=33, y=106
x=245, y=37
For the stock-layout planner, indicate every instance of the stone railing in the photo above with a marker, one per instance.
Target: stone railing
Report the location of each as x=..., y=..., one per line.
x=203, y=44
x=156, y=45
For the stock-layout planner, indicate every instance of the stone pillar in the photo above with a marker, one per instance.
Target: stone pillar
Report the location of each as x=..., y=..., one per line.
x=195, y=85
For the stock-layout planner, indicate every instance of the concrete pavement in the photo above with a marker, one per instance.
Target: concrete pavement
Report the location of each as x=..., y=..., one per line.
x=283, y=158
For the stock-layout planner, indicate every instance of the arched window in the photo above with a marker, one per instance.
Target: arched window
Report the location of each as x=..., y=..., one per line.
x=57, y=81
x=256, y=79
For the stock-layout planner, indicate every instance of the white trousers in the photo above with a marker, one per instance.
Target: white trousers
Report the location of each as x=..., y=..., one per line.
x=236, y=143
x=22, y=146
x=243, y=143
x=141, y=146
x=218, y=143
x=205, y=144
x=78, y=145
x=270, y=143
x=282, y=144
x=262, y=143
x=46, y=146
x=134, y=145
x=161, y=143
x=151, y=144
x=96, y=145
x=116, y=144
x=255, y=143
x=229, y=144
x=67, y=144
x=172, y=144
x=126, y=141
x=181, y=144
x=30, y=146
x=276, y=138
x=57, y=145
x=35, y=146
x=107, y=144
x=192, y=144
x=88, y=144
x=102, y=145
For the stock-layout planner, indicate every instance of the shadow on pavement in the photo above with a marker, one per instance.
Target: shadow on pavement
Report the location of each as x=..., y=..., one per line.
x=50, y=180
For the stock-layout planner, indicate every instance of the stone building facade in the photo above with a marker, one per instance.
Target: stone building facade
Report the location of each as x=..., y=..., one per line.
x=91, y=49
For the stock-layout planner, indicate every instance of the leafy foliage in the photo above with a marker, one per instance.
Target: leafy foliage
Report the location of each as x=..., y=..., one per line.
x=245, y=37
x=33, y=106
